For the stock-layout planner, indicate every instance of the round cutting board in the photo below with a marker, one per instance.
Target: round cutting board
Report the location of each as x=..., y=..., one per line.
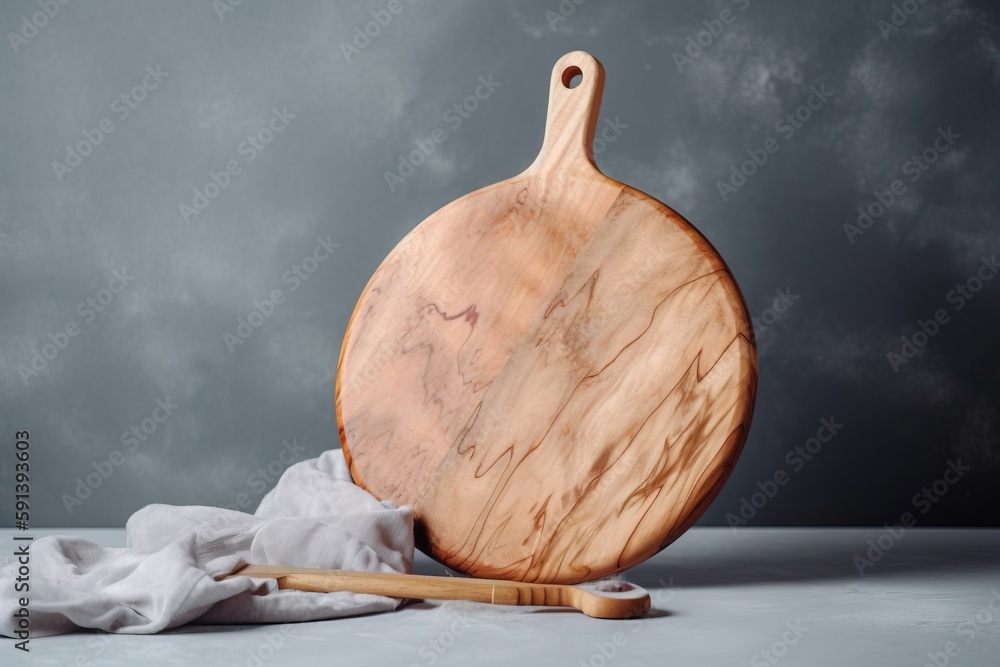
x=557, y=372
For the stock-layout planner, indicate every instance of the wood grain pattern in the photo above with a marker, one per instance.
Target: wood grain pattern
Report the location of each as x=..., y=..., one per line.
x=601, y=600
x=557, y=372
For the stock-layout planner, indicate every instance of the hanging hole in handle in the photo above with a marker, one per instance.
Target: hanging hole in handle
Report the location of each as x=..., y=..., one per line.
x=572, y=76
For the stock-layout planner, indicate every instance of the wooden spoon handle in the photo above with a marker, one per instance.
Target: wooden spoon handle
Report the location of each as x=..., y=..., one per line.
x=415, y=586
x=591, y=599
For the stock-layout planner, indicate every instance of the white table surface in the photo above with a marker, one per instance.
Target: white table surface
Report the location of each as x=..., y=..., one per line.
x=719, y=598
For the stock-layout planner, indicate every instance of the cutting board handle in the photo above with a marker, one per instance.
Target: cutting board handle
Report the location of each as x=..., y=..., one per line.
x=572, y=116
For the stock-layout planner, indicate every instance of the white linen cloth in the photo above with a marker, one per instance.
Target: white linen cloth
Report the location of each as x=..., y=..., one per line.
x=314, y=517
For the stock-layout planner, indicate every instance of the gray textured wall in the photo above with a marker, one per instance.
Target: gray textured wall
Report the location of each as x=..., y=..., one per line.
x=198, y=81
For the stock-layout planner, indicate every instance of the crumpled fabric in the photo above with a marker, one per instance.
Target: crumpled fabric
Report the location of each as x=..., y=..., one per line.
x=166, y=575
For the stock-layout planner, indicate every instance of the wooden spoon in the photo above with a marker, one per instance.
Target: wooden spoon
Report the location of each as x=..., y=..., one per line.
x=600, y=599
x=557, y=372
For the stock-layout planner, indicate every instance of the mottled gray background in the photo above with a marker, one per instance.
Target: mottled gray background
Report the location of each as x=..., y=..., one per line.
x=323, y=176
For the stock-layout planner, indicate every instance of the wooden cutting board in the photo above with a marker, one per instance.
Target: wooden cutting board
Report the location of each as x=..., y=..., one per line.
x=557, y=372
